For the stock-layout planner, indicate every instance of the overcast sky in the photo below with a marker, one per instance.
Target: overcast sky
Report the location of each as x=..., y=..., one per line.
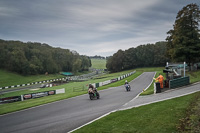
x=90, y=27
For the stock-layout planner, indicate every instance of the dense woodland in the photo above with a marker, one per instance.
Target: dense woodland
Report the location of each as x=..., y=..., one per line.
x=36, y=58
x=97, y=57
x=149, y=55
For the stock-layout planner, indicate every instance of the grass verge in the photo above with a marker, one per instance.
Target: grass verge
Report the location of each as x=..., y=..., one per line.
x=153, y=118
x=191, y=122
x=150, y=90
x=194, y=76
x=98, y=63
x=10, y=78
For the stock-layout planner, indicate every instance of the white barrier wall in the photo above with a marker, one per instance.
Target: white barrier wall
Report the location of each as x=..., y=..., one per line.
x=59, y=91
x=101, y=84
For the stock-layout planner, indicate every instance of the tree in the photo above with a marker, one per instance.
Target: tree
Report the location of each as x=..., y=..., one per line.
x=160, y=57
x=76, y=65
x=116, y=62
x=109, y=63
x=86, y=63
x=183, y=42
x=18, y=61
x=130, y=58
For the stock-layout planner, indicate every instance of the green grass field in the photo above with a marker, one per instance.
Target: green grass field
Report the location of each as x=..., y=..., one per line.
x=98, y=63
x=161, y=117
x=9, y=78
x=194, y=76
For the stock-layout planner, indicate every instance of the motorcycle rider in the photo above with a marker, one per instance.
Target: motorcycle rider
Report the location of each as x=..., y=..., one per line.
x=94, y=90
x=126, y=84
x=92, y=87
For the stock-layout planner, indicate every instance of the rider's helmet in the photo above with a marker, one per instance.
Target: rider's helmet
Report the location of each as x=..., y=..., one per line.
x=90, y=85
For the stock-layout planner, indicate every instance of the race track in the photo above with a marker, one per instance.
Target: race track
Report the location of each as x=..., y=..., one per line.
x=66, y=115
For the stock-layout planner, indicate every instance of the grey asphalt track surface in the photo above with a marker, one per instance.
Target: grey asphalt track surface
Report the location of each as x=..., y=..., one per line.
x=66, y=115
x=170, y=94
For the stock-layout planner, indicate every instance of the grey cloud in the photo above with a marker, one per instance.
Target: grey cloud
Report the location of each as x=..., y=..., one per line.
x=90, y=27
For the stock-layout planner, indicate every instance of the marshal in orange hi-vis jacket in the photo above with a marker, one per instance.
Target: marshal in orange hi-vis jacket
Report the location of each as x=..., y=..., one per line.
x=160, y=78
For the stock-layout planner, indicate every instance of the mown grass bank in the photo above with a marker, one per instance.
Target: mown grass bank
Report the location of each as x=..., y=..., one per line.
x=191, y=121
x=9, y=78
x=194, y=76
x=153, y=118
x=150, y=90
x=98, y=63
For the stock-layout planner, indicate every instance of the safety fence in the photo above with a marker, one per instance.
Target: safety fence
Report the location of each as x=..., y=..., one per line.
x=70, y=78
x=96, y=85
x=31, y=96
x=171, y=84
x=52, y=92
x=45, y=81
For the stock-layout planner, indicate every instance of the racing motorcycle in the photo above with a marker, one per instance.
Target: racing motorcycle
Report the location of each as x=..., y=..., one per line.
x=93, y=94
x=128, y=87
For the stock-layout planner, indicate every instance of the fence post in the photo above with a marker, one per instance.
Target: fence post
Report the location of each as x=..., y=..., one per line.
x=184, y=68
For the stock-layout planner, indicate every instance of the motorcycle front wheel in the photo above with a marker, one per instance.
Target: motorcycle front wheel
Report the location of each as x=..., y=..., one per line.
x=91, y=96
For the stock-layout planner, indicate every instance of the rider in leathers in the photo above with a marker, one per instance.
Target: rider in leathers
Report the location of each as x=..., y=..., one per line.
x=92, y=87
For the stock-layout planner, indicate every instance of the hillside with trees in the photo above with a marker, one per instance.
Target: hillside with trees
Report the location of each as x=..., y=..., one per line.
x=150, y=55
x=35, y=58
x=97, y=57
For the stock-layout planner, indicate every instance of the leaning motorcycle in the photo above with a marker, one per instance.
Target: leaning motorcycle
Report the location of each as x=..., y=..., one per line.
x=128, y=87
x=93, y=94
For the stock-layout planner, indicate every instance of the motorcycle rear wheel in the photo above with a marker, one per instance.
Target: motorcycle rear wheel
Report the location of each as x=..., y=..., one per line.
x=91, y=96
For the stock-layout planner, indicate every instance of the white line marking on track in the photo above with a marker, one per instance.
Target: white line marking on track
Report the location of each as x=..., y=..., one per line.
x=110, y=111
x=159, y=100
x=140, y=92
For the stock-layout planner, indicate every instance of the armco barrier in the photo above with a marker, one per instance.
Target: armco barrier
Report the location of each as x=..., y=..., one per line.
x=45, y=81
x=112, y=80
x=119, y=78
x=31, y=96
x=179, y=82
x=10, y=99
x=97, y=85
x=100, y=84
